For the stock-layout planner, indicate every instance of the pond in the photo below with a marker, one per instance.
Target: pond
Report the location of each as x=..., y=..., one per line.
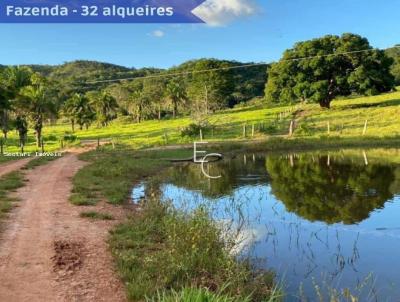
x=321, y=220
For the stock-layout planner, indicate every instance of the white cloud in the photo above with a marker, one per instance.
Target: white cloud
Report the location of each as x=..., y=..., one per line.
x=221, y=12
x=158, y=33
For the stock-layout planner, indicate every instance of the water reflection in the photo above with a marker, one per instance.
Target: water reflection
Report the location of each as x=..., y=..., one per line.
x=318, y=219
x=322, y=188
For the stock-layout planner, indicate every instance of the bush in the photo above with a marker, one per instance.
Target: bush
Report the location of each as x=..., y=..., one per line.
x=304, y=129
x=50, y=138
x=193, y=130
x=69, y=137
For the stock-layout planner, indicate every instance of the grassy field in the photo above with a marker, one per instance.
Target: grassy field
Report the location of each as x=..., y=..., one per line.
x=346, y=120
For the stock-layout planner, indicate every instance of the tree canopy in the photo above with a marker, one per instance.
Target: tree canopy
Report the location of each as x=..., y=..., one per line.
x=321, y=69
x=394, y=53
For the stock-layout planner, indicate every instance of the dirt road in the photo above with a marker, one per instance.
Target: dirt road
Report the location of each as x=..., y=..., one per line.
x=13, y=166
x=47, y=252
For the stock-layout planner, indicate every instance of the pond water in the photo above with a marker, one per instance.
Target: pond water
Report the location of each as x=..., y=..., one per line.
x=327, y=220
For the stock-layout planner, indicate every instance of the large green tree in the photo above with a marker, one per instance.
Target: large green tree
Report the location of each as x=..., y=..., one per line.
x=394, y=53
x=321, y=69
x=210, y=85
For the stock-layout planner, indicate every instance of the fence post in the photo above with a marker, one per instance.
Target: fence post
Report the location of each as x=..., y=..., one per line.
x=98, y=142
x=244, y=130
x=1, y=147
x=329, y=127
x=201, y=135
x=61, y=144
x=113, y=144
x=291, y=128
x=165, y=137
x=365, y=127
x=252, y=130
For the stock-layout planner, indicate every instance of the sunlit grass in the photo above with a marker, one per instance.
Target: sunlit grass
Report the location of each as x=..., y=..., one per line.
x=346, y=118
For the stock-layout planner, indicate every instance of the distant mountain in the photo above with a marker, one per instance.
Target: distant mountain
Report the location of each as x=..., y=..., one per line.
x=81, y=76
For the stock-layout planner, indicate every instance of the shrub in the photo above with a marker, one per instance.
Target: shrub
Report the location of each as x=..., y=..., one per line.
x=193, y=130
x=69, y=137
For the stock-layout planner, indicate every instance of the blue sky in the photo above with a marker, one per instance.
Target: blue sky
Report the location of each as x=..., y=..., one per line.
x=244, y=30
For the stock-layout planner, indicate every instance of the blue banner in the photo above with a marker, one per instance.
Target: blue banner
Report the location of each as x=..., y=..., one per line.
x=99, y=11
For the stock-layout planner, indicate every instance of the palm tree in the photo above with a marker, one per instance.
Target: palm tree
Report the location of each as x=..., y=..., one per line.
x=138, y=102
x=22, y=127
x=36, y=103
x=5, y=106
x=12, y=80
x=105, y=105
x=176, y=92
x=79, y=110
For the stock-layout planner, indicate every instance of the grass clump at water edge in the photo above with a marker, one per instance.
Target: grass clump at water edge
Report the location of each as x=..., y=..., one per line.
x=165, y=250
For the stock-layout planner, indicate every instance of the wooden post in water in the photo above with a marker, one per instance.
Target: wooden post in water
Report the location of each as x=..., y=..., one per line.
x=365, y=158
x=365, y=127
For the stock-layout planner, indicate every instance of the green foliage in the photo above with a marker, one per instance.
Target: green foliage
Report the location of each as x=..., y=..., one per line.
x=9, y=183
x=194, y=295
x=394, y=53
x=167, y=249
x=78, y=109
x=96, y=215
x=193, y=130
x=322, y=76
x=70, y=137
x=105, y=106
x=39, y=161
x=324, y=188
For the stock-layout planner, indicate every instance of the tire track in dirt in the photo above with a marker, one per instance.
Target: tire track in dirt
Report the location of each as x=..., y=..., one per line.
x=47, y=252
x=13, y=166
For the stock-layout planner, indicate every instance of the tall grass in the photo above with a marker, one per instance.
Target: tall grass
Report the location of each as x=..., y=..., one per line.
x=165, y=249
